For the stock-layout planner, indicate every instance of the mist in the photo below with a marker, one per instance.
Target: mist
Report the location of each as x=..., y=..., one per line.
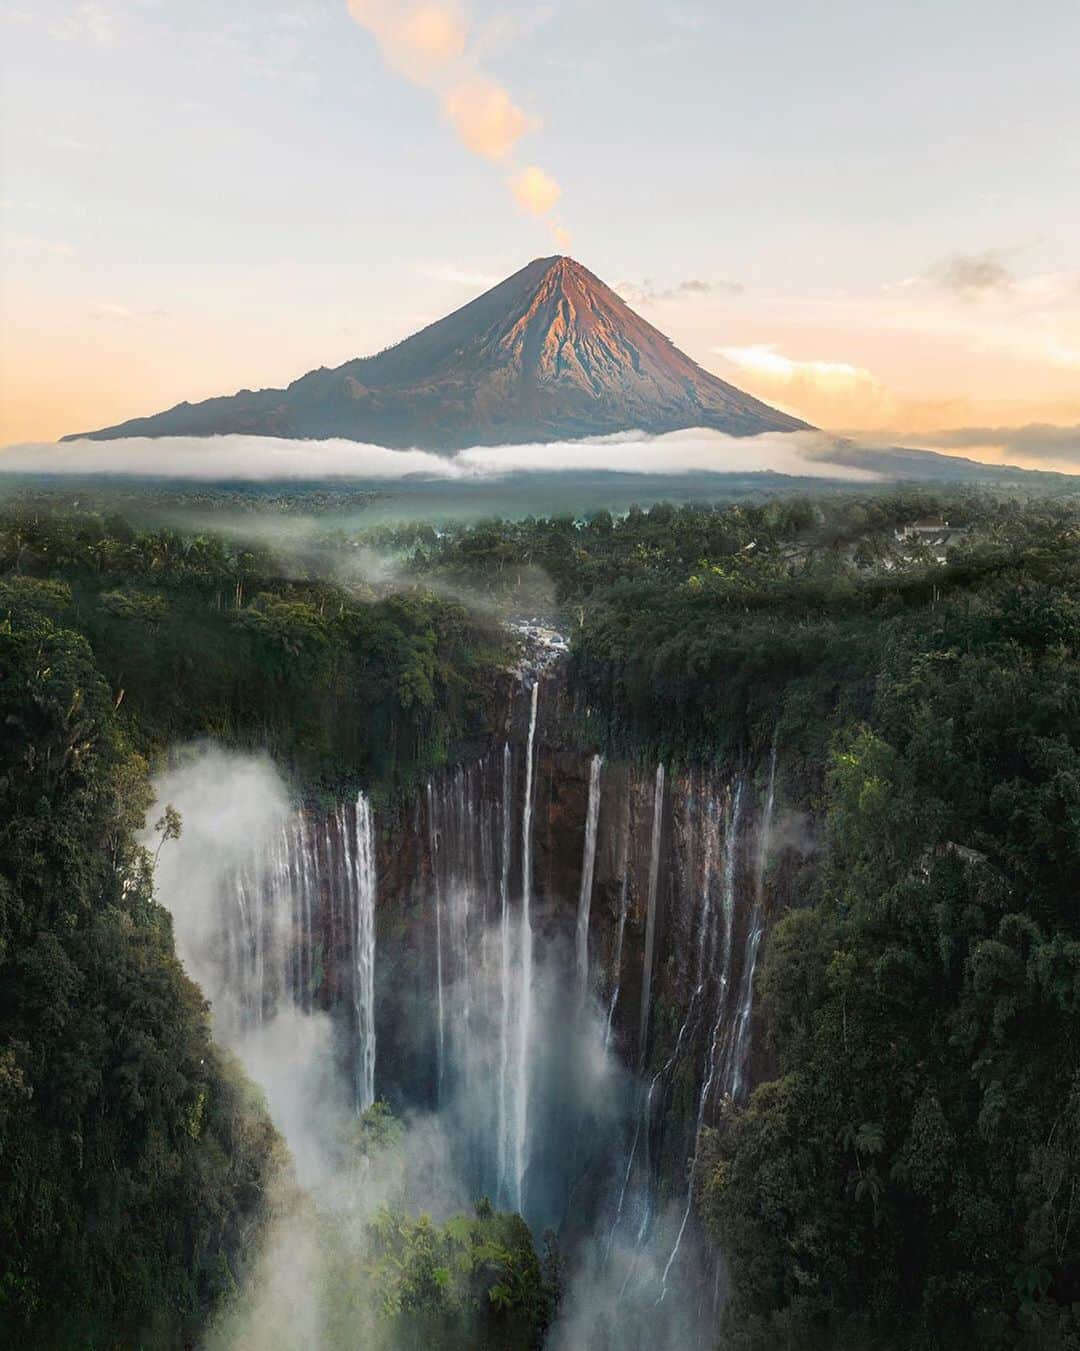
x=256, y=458
x=316, y=1281
x=232, y=806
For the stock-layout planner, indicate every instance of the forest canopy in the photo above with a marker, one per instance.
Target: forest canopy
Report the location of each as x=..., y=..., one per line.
x=907, y=1173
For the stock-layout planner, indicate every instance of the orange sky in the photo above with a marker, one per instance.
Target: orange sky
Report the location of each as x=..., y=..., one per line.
x=877, y=234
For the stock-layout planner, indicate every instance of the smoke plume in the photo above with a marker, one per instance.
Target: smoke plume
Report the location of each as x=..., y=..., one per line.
x=433, y=44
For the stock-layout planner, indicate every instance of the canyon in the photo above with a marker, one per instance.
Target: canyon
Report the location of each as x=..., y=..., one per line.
x=549, y=950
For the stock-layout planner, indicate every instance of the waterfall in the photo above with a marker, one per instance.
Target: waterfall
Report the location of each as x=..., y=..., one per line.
x=521, y=1125
x=706, y=926
x=741, y=1047
x=284, y=912
x=738, y=1045
x=644, y=1116
x=588, y=869
x=617, y=963
x=305, y=957
x=504, y=1144
x=364, y=965
x=667, y=869
x=650, y=923
x=624, y=905
x=436, y=896
x=462, y=889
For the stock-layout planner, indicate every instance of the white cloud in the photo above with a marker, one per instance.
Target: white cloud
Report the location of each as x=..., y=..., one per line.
x=124, y=314
x=766, y=360
x=827, y=392
x=694, y=451
x=447, y=272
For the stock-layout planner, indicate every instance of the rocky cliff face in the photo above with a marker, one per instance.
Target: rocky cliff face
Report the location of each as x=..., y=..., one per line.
x=686, y=869
x=547, y=956
x=551, y=353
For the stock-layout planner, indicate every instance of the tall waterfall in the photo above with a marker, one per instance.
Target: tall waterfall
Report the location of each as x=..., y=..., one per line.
x=711, y=1065
x=436, y=900
x=741, y=1046
x=624, y=906
x=283, y=912
x=482, y=831
x=588, y=872
x=521, y=1124
x=364, y=987
x=650, y=923
x=501, y=894
x=504, y=1143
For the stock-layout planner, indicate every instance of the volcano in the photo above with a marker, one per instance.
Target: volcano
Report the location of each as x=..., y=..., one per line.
x=552, y=353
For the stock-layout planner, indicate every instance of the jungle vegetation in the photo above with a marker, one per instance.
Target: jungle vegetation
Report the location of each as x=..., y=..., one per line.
x=378, y=1261
x=135, y=1160
x=907, y=1175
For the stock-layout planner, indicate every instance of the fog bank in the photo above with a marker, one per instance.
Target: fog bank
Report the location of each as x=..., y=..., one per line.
x=694, y=451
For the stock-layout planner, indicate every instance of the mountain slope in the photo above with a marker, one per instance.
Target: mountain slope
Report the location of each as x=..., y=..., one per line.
x=551, y=353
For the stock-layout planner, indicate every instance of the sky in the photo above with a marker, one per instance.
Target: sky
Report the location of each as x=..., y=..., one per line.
x=868, y=215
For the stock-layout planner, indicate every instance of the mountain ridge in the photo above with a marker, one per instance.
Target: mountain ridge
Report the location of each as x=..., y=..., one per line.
x=550, y=353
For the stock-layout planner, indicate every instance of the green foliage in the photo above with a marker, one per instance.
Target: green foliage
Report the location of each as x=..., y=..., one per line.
x=911, y=1175
x=196, y=635
x=345, y=1270
x=907, y=1179
x=474, y=1282
x=133, y=1157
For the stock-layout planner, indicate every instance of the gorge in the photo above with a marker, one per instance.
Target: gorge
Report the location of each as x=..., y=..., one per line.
x=731, y=940
x=547, y=953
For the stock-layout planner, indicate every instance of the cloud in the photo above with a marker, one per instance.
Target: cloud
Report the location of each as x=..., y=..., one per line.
x=1034, y=441
x=88, y=19
x=829, y=392
x=458, y=276
x=765, y=359
x=972, y=274
x=34, y=247
x=105, y=310
x=648, y=292
x=535, y=191
x=695, y=451
x=485, y=117
x=108, y=310
x=435, y=46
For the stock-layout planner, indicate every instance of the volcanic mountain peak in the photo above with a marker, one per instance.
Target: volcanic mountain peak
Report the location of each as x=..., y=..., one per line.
x=551, y=353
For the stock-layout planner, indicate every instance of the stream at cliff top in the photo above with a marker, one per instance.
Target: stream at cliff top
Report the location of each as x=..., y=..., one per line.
x=545, y=957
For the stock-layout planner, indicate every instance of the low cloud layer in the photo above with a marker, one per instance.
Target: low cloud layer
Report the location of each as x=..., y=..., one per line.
x=696, y=451
x=1034, y=441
